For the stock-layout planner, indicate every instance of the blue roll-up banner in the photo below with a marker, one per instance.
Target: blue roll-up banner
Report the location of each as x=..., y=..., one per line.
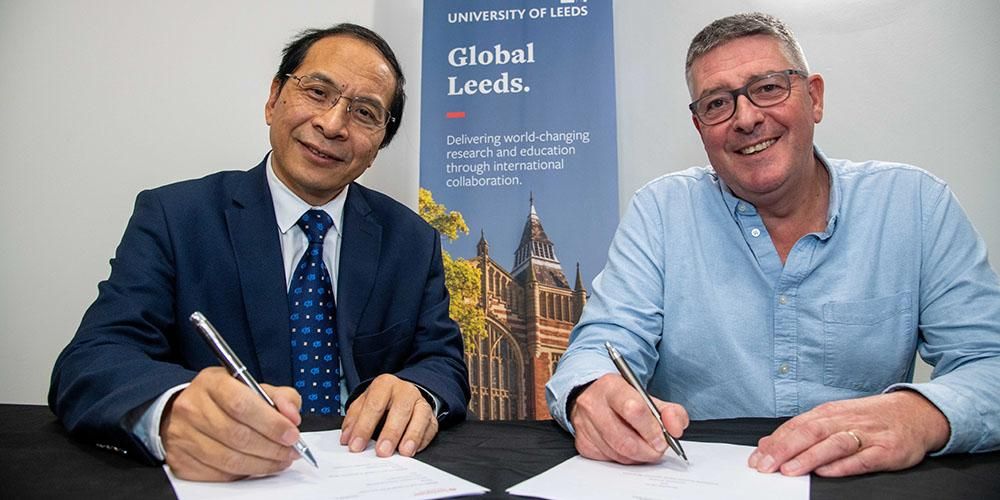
x=518, y=134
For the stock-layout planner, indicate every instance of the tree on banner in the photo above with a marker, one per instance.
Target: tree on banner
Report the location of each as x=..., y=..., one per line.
x=461, y=277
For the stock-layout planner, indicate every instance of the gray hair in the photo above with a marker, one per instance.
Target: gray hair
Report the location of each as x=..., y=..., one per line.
x=740, y=26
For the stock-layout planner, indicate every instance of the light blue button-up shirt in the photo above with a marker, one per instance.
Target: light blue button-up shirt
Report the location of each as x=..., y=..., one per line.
x=696, y=297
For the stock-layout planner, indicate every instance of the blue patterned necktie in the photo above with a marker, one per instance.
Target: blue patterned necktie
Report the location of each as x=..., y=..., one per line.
x=312, y=319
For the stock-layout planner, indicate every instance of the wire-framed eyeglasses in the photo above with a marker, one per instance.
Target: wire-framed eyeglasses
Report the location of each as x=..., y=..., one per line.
x=322, y=95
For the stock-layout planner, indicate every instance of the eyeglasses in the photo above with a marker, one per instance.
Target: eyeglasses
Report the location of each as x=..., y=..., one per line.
x=322, y=96
x=763, y=91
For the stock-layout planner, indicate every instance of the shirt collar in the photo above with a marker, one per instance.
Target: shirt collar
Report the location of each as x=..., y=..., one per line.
x=833, y=211
x=288, y=207
x=738, y=206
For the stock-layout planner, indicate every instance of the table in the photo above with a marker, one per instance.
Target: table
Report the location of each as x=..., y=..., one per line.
x=39, y=460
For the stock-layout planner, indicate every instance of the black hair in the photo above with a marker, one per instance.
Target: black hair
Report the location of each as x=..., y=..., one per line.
x=295, y=52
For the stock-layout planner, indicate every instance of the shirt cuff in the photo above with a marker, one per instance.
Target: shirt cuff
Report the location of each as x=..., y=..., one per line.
x=940, y=400
x=560, y=397
x=147, y=427
x=434, y=402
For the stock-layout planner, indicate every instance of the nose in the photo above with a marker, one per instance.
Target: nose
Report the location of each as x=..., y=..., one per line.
x=333, y=123
x=747, y=115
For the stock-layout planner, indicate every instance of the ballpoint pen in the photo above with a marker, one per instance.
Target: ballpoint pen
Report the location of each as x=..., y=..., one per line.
x=629, y=376
x=239, y=370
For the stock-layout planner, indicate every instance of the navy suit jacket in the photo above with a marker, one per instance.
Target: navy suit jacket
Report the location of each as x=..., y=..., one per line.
x=212, y=245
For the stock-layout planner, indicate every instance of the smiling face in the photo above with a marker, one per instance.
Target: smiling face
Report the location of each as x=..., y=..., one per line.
x=763, y=154
x=316, y=154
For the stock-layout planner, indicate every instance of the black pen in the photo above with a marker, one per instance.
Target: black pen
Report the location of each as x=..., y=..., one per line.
x=629, y=376
x=239, y=370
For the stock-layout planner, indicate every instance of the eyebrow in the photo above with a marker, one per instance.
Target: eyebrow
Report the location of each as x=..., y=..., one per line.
x=729, y=89
x=323, y=78
x=326, y=79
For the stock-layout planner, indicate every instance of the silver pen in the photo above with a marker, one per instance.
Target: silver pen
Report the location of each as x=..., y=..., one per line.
x=239, y=370
x=629, y=376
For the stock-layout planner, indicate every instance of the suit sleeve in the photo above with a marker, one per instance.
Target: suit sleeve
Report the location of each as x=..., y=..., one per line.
x=120, y=358
x=436, y=361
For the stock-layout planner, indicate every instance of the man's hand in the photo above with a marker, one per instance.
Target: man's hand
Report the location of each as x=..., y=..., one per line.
x=218, y=429
x=885, y=432
x=410, y=423
x=613, y=423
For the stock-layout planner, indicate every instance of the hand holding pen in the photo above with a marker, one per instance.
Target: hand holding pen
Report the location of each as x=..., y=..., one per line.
x=237, y=369
x=216, y=429
x=612, y=422
x=630, y=377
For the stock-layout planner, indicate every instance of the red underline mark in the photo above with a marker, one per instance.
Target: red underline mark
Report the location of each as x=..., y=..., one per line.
x=455, y=114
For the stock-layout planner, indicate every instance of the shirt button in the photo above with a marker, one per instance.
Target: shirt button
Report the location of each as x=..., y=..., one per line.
x=782, y=299
x=741, y=208
x=755, y=232
x=783, y=369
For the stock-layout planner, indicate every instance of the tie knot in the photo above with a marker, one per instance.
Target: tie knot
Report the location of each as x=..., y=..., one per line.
x=315, y=223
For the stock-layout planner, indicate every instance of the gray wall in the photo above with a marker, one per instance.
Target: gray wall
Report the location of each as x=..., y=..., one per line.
x=103, y=99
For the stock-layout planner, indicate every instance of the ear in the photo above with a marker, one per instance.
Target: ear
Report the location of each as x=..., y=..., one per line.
x=272, y=100
x=697, y=124
x=816, y=87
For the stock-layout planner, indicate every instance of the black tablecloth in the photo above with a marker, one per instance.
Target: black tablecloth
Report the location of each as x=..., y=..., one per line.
x=38, y=460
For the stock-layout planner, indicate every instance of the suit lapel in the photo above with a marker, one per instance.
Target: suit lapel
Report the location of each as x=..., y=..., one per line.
x=254, y=236
x=359, y=258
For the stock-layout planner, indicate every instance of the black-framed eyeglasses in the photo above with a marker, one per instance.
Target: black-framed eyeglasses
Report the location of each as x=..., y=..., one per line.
x=322, y=95
x=763, y=91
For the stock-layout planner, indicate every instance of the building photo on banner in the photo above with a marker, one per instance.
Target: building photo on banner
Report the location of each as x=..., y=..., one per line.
x=518, y=169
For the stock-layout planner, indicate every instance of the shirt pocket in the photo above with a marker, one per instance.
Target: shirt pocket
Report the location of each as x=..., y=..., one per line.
x=868, y=344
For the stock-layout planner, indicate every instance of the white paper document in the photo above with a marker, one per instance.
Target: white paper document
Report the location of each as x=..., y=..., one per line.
x=341, y=474
x=716, y=471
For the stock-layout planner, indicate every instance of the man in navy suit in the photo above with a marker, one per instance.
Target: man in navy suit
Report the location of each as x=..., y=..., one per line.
x=137, y=377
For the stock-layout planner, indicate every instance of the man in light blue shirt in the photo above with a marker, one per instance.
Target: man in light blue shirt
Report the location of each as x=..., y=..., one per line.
x=780, y=282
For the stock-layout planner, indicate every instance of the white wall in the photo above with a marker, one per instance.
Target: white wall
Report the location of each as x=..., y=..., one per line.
x=99, y=101
x=103, y=99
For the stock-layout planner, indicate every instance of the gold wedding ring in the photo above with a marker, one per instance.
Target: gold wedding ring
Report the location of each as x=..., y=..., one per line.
x=856, y=439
